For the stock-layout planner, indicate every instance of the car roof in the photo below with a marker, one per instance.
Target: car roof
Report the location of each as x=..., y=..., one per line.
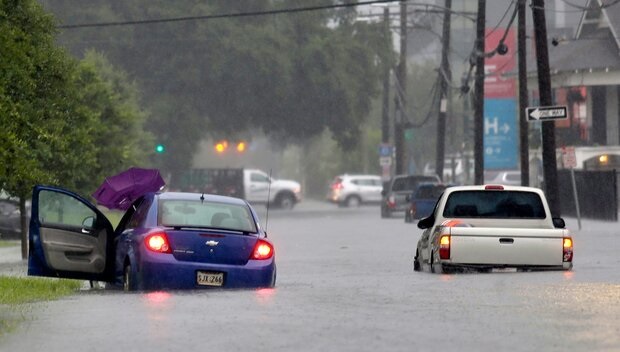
x=360, y=175
x=494, y=187
x=196, y=197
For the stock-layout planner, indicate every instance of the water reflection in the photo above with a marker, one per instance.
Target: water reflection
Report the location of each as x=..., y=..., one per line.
x=265, y=295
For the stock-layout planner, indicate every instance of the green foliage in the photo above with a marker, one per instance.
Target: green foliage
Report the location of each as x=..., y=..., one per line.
x=290, y=75
x=33, y=75
x=106, y=94
x=64, y=123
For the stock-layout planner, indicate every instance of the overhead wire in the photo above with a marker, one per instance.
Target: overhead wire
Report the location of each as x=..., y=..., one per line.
x=225, y=15
x=578, y=8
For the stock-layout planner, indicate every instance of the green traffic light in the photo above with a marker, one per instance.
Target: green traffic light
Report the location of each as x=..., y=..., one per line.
x=160, y=148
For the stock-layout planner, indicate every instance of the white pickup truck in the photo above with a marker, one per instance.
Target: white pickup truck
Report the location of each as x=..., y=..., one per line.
x=253, y=185
x=493, y=228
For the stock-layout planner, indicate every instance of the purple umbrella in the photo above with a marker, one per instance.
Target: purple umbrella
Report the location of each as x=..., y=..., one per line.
x=119, y=191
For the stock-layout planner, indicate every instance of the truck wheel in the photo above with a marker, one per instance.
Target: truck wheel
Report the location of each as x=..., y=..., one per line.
x=353, y=201
x=433, y=266
x=285, y=201
x=416, y=261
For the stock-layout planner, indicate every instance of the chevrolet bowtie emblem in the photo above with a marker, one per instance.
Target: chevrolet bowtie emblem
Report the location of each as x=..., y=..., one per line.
x=211, y=243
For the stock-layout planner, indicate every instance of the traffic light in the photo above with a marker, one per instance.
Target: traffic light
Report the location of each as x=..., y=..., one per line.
x=221, y=146
x=241, y=146
x=160, y=148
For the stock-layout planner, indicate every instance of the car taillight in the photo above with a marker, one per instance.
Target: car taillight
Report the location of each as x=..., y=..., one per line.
x=391, y=202
x=444, y=247
x=158, y=242
x=262, y=250
x=568, y=249
x=336, y=186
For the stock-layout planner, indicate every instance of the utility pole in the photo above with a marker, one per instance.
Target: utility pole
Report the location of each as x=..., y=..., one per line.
x=479, y=95
x=399, y=140
x=523, y=97
x=445, y=76
x=385, y=113
x=544, y=88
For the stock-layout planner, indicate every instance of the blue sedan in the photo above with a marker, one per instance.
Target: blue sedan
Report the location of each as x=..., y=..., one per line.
x=164, y=241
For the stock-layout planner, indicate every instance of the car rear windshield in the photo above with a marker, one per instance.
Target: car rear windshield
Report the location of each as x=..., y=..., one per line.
x=429, y=192
x=409, y=183
x=192, y=213
x=494, y=204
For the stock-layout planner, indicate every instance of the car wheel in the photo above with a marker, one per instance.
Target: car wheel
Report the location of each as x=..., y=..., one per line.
x=353, y=201
x=129, y=279
x=385, y=213
x=285, y=201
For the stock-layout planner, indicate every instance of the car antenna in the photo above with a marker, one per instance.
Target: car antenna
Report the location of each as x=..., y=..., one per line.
x=202, y=198
x=268, y=197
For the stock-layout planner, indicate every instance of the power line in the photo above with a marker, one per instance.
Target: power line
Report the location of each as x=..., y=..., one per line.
x=225, y=15
x=602, y=6
x=501, y=20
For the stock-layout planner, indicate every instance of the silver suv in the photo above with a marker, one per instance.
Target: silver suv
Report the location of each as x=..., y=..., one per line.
x=355, y=190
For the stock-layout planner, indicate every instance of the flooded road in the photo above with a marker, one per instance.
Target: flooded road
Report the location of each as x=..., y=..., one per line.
x=345, y=283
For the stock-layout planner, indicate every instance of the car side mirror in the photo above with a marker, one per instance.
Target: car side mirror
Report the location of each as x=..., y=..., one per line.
x=88, y=222
x=426, y=222
x=559, y=223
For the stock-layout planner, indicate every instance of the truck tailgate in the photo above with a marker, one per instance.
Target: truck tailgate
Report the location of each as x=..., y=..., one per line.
x=506, y=246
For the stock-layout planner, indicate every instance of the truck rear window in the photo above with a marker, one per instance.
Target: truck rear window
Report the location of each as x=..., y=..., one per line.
x=494, y=204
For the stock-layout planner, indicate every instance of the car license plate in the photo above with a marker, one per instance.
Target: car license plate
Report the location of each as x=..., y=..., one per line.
x=504, y=270
x=205, y=278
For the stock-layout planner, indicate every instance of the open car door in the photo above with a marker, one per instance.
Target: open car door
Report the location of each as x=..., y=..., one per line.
x=69, y=237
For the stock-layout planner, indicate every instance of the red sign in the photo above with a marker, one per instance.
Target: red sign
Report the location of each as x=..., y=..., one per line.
x=497, y=82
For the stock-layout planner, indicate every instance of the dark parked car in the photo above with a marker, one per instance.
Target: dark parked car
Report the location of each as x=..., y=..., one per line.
x=422, y=200
x=395, y=192
x=10, y=221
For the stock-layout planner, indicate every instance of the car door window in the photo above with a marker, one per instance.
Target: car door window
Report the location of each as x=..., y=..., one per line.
x=62, y=210
x=257, y=177
x=71, y=233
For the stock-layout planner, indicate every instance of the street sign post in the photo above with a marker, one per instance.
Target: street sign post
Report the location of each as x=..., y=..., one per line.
x=545, y=113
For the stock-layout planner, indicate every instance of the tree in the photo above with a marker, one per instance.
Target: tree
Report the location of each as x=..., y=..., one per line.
x=37, y=110
x=118, y=125
x=57, y=117
x=290, y=75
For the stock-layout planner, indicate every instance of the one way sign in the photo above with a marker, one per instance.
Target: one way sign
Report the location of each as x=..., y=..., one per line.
x=544, y=113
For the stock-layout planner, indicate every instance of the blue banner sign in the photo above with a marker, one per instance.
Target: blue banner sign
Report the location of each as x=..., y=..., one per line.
x=501, y=134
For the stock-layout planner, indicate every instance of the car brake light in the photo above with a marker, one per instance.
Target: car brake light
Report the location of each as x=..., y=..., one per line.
x=262, y=250
x=337, y=186
x=444, y=247
x=391, y=202
x=494, y=187
x=158, y=242
x=568, y=249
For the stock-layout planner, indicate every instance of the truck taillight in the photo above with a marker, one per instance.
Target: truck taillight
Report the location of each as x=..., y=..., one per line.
x=444, y=247
x=568, y=249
